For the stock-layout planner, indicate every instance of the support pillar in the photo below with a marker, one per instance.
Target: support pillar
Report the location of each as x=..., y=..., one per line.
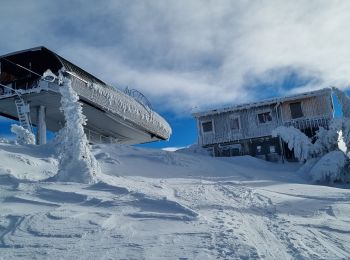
x=281, y=148
x=41, y=125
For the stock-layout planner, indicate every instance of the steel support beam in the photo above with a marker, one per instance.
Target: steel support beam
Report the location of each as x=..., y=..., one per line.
x=41, y=125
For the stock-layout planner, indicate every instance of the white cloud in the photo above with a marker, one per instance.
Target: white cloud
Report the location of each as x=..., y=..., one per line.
x=173, y=149
x=185, y=54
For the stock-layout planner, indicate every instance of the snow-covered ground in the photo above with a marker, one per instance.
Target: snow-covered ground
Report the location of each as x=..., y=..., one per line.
x=153, y=204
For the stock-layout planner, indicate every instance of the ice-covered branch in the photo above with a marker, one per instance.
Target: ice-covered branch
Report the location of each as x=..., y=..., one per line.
x=296, y=140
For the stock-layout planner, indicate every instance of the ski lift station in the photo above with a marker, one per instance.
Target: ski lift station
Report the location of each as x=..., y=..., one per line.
x=33, y=99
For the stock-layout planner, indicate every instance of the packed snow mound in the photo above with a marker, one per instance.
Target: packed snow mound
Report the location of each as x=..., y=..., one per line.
x=151, y=204
x=194, y=149
x=23, y=136
x=330, y=168
x=28, y=162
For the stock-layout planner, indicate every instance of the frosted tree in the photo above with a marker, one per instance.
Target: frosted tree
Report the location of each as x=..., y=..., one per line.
x=326, y=139
x=76, y=162
x=325, y=162
x=23, y=136
x=330, y=168
x=345, y=122
x=296, y=140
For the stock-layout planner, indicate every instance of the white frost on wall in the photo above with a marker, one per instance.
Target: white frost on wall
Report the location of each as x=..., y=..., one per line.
x=23, y=136
x=76, y=162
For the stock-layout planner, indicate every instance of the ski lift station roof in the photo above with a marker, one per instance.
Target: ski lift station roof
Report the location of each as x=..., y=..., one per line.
x=112, y=115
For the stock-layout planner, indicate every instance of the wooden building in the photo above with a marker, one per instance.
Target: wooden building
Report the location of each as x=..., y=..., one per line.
x=246, y=129
x=34, y=99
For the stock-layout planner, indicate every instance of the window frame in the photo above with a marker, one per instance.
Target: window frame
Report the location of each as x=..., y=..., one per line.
x=233, y=117
x=212, y=127
x=301, y=108
x=263, y=112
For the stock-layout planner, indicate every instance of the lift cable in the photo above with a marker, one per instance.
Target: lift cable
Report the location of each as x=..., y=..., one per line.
x=14, y=63
x=15, y=90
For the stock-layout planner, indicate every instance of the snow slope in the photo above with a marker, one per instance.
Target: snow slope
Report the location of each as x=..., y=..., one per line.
x=152, y=204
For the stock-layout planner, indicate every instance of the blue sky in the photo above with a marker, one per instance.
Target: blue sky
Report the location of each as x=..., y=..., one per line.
x=193, y=54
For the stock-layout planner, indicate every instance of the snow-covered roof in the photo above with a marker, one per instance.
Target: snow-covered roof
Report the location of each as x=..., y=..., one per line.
x=264, y=102
x=128, y=109
x=46, y=59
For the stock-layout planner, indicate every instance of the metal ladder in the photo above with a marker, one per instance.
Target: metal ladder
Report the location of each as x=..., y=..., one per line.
x=23, y=114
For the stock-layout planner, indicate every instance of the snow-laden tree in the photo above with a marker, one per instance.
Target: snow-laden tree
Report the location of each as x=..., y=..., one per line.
x=23, y=136
x=76, y=162
x=345, y=121
x=296, y=140
x=326, y=139
x=330, y=168
x=325, y=162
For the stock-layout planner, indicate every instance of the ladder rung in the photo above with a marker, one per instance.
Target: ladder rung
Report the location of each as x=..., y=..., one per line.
x=22, y=114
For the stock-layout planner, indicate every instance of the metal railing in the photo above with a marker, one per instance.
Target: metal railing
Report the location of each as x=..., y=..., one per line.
x=95, y=137
x=304, y=123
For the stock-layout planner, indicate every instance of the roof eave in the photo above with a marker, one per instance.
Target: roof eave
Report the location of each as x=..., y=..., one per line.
x=263, y=103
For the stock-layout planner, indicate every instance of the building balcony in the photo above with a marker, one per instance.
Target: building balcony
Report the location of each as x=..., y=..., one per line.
x=314, y=122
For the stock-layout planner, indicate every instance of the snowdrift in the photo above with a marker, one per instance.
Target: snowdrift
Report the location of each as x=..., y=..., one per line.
x=151, y=204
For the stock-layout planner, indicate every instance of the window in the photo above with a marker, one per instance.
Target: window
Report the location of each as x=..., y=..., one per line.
x=295, y=110
x=264, y=117
x=234, y=123
x=207, y=126
x=258, y=149
x=272, y=149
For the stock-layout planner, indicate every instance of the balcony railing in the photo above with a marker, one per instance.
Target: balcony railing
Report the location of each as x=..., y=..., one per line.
x=314, y=122
x=216, y=139
x=302, y=123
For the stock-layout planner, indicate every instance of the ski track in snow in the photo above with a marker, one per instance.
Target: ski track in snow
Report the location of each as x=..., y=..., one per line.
x=153, y=204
